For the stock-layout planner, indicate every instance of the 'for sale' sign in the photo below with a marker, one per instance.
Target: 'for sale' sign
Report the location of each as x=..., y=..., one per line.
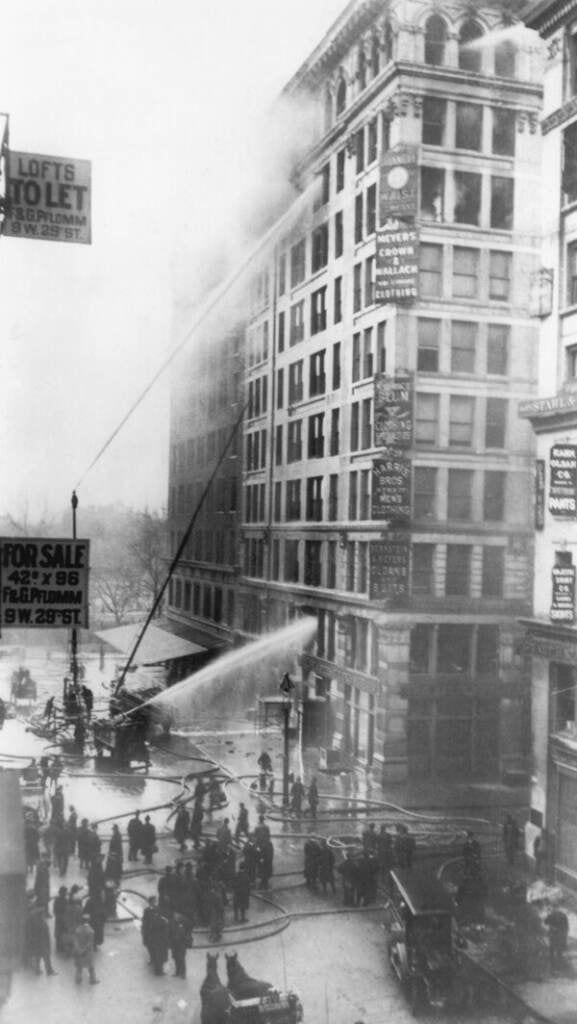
x=48, y=197
x=43, y=583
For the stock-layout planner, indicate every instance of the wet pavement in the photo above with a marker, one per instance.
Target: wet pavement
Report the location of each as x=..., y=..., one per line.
x=333, y=957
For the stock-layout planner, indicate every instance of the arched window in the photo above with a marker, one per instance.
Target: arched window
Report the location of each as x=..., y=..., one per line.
x=505, y=59
x=435, y=40
x=341, y=96
x=375, y=56
x=328, y=113
x=388, y=41
x=362, y=68
x=469, y=54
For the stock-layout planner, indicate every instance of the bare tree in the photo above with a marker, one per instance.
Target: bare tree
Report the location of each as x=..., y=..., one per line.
x=148, y=551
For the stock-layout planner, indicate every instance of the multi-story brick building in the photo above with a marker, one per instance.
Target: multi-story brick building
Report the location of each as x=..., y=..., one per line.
x=551, y=633
x=386, y=477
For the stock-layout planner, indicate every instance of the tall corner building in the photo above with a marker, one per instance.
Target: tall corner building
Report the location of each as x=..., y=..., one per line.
x=384, y=477
x=551, y=633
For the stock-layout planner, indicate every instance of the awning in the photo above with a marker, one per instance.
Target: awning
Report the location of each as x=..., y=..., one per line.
x=156, y=646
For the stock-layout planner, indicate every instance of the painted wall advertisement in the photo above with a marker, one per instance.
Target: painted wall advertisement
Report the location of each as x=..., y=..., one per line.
x=397, y=263
x=48, y=198
x=393, y=410
x=563, y=594
x=391, y=490
x=44, y=582
x=390, y=569
x=563, y=480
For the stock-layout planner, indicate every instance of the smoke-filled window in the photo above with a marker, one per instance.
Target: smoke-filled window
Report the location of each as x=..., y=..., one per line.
x=328, y=111
x=362, y=68
x=469, y=53
x=435, y=40
x=341, y=95
x=298, y=263
x=375, y=56
x=505, y=59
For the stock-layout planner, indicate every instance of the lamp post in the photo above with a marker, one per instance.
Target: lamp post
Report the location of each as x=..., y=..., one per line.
x=286, y=710
x=286, y=687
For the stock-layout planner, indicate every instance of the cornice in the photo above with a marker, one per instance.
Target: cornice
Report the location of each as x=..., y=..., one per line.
x=549, y=15
x=335, y=44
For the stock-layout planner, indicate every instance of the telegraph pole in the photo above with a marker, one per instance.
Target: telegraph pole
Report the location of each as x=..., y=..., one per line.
x=74, y=637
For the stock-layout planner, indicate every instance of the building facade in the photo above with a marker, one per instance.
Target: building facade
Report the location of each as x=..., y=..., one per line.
x=551, y=635
x=386, y=476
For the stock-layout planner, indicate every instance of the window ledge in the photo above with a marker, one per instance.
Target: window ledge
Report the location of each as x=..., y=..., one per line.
x=568, y=311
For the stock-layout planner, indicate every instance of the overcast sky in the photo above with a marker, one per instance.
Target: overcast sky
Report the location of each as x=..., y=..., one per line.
x=166, y=100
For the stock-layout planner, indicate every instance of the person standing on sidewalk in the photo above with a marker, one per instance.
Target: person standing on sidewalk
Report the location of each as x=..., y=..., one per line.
x=134, y=831
x=313, y=797
x=84, y=951
x=177, y=943
x=38, y=946
x=240, y=893
x=148, y=840
x=297, y=793
x=242, y=827
x=557, y=923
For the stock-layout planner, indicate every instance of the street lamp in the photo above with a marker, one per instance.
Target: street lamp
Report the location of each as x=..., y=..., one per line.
x=286, y=687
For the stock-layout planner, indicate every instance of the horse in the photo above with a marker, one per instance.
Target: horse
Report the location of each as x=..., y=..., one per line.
x=240, y=984
x=214, y=997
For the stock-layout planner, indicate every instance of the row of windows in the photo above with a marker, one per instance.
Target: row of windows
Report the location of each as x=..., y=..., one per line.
x=466, y=496
x=223, y=497
x=201, y=449
x=475, y=273
x=436, y=569
x=257, y=397
x=450, y=648
x=460, y=421
x=462, y=346
x=431, y=564
x=257, y=343
x=465, y=126
x=459, y=197
x=201, y=599
x=214, y=546
x=360, y=641
x=472, y=55
x=256, y=448
x=368, y=67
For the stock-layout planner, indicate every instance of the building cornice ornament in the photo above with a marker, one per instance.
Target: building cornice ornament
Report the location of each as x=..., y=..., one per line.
x=555, y=49
x=527, y=119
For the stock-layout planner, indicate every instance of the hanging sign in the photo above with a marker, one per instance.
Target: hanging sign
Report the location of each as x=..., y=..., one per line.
x=391, y=490
x=43, y=583
x=393, y=410
x=563, y=480
x=541, y=292
x=390, y=569
x=48, y=197
x=539, y=521
x=399, y=183
x=397, y=263
x=563, y=596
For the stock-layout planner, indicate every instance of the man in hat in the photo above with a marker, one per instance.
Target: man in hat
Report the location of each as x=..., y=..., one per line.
x=84, y=950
